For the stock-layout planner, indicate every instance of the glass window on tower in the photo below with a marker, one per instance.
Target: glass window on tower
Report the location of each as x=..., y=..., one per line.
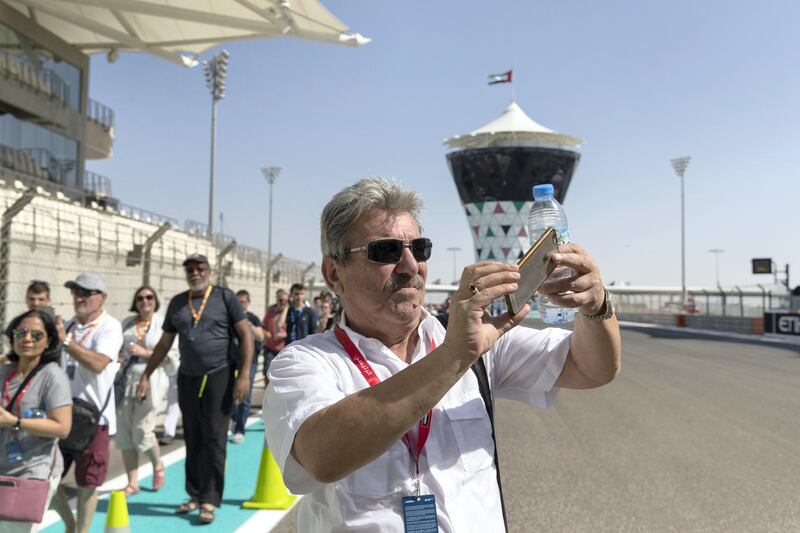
x=42, y=69
x=37, y=151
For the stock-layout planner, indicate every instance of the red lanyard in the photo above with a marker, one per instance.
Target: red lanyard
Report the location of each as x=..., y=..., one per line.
x=7, y=394
x=424, y=425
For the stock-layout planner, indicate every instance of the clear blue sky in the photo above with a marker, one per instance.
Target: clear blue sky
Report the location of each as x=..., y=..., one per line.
x=640, y=82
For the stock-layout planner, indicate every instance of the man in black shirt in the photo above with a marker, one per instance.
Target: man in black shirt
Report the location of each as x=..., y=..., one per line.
x=205, y=318
x=242, y=410
x=301, y=320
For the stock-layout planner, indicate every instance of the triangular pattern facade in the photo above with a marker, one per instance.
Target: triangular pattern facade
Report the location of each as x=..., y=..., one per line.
x=499, y=229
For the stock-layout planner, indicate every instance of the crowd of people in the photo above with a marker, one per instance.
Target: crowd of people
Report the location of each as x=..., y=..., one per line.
x=70, y=386
x=377, y=410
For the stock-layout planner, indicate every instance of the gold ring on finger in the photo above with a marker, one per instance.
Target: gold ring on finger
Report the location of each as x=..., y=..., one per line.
x=473, y=289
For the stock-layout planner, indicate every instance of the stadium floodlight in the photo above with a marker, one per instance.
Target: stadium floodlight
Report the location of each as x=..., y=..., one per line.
x=680, y=164
x=215, y=72
x=716, y=252
x=270, y=174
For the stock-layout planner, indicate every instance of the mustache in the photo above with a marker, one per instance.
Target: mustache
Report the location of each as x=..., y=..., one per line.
x=399, y=281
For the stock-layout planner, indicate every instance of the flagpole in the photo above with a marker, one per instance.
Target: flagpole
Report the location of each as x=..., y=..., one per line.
x=513, y=90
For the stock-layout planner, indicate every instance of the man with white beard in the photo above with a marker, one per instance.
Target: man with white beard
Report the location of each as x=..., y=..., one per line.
x=204, y=318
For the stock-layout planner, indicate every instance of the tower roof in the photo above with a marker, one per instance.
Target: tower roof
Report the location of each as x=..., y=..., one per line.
x=513, y=128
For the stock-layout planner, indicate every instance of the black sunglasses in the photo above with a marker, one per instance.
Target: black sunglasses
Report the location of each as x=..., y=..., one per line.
x=85, y=293
x=389, y=251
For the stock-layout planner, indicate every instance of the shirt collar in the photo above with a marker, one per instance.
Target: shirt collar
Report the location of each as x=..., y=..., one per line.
x=93, y=323
x=425, y=331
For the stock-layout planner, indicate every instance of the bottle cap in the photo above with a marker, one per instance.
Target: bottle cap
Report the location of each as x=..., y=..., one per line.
x=545, y=189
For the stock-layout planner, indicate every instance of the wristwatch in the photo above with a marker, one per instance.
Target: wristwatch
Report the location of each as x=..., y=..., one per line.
x=606, y=312
x=18, y=424
x=66, y=342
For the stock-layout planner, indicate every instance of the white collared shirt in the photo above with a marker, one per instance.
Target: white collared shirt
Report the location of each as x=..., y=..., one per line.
x=104, y=336
x=457, y=464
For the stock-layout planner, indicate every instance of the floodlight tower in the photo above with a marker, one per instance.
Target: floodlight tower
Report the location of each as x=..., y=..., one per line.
x=270, y=174
x=215, y=70
x=680, y=164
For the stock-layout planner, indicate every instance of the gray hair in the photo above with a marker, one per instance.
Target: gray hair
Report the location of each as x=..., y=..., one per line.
x=363, y=197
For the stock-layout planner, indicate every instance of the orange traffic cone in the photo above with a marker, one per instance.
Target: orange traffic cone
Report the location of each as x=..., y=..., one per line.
x=271, y=493
x=117, y=517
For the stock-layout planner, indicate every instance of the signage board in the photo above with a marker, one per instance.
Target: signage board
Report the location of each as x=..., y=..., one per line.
x=762, y=265
x=782, y=323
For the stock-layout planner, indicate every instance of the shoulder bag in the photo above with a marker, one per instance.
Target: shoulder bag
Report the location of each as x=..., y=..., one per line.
x=85, y=418
x=21, y=499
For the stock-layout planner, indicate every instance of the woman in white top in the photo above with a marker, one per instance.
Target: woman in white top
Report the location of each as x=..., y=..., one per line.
x=136, y=419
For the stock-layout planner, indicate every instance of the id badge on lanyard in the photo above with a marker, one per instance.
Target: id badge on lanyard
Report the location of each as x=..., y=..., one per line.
x=419, y=510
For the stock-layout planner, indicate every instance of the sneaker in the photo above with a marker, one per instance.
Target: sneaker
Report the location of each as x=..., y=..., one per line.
x=238, y=438
x=166, y=440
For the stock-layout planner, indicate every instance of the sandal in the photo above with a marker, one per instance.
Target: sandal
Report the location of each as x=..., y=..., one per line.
x=130, y=490
x=187, y=507
x=206, y=515
x=159, y=477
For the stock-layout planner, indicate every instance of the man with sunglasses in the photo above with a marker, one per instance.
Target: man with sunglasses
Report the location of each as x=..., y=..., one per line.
x=380, y=422
x=91, y=343
x=205, y=318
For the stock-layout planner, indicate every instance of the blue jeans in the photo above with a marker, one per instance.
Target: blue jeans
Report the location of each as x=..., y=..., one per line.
x=242, y=410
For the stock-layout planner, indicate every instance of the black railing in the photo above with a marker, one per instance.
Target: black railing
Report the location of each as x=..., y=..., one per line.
x=145, y=216
x=44, y=80
x=96, y=184
x=100, y=113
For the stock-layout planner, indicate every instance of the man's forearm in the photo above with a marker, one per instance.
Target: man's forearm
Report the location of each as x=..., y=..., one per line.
x=356, y=430
x=94, y=361
x=596, y=348
x=158, y=355
x=246, y=346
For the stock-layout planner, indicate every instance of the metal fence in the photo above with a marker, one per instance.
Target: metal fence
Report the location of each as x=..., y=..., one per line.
x=733, y=301
x=44, y=238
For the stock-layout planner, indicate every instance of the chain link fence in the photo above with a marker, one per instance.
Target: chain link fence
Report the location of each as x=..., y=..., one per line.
x=49, y=239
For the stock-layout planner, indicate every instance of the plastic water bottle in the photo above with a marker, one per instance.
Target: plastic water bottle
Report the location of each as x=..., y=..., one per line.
x=34, y=413
x=546, y=213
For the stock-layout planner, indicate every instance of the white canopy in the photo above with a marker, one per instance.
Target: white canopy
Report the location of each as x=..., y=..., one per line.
x=179, y=30
x=513, y=128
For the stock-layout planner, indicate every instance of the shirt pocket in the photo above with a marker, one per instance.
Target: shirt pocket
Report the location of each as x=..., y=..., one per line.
x=388, y=474
x=473, y=432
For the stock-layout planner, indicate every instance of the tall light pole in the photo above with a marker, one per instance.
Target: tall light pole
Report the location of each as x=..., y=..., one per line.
x=680, y=164
x=215, y=71
x=270, y=174
x=454, y=249
x=716, y=252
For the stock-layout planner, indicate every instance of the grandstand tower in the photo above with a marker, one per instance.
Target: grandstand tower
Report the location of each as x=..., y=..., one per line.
x=494, y=169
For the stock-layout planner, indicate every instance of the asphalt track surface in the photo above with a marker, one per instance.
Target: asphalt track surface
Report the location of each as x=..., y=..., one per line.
x=697, y=434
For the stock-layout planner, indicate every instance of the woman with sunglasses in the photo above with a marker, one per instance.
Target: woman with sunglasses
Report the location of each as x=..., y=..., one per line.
x=136, y=418
x=34, y=418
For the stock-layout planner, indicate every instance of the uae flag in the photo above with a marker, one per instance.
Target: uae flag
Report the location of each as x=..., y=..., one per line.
x=505, y=77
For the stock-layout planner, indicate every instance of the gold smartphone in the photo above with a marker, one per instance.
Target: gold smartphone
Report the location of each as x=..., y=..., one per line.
x=534, y=267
